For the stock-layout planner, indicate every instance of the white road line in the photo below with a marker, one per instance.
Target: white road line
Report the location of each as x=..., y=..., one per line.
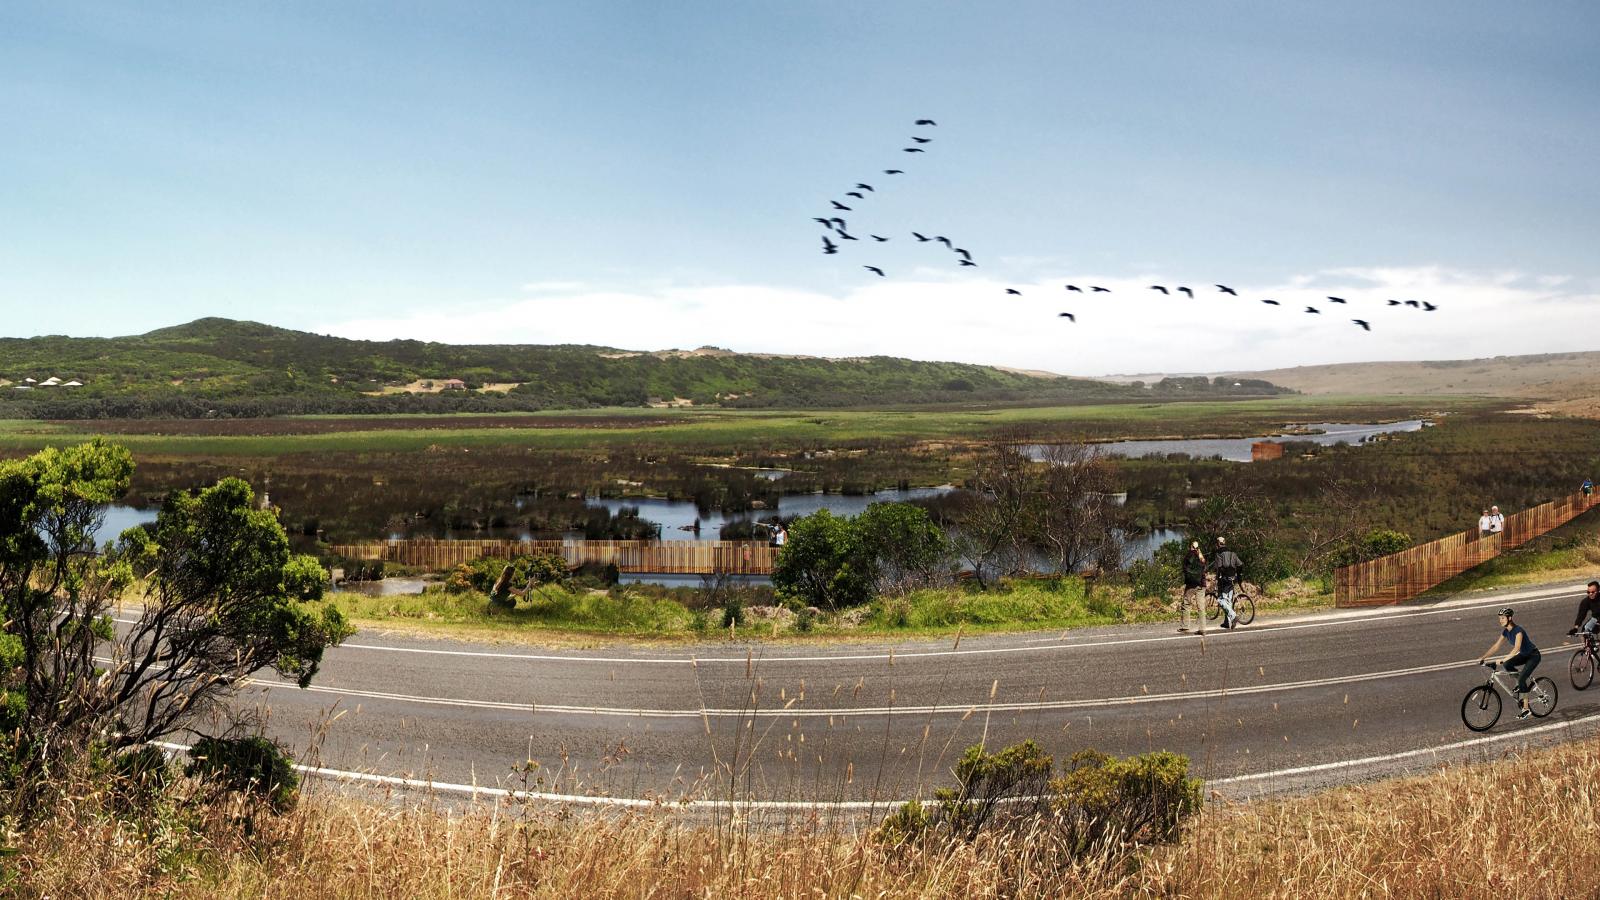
x=1031, y=645
x=879, y=711
x=475, y=791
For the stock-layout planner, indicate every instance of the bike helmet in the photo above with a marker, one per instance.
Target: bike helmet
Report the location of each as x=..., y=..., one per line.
x=1505, y=611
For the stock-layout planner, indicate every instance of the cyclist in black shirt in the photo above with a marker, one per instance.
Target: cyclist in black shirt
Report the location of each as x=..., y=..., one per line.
x=1588, y=611
x=1523, y=654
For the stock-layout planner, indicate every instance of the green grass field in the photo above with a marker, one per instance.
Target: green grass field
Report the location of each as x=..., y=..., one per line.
x=708, y=430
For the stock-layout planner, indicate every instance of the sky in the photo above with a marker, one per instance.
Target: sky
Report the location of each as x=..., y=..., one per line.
x=644, y=175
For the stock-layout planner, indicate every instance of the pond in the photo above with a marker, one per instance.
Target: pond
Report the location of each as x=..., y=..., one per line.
x=1238, y=449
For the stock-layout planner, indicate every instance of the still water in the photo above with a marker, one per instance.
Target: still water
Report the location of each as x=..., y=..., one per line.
x=1238, y=449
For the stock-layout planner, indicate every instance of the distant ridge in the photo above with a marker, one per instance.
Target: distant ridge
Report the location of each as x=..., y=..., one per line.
x=218, y=366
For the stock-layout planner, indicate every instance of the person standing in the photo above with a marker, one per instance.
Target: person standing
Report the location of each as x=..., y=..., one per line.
x=1228, y=567
x=1483, y=524
x=1497, y=522
x=1194, y=588
x=1588, y=487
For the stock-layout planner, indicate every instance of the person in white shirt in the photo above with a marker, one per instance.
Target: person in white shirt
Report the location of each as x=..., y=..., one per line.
x=1483, y=524
x=1497, y=522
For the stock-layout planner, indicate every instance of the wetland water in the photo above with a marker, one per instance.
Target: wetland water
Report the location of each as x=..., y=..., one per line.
x=1238, y=449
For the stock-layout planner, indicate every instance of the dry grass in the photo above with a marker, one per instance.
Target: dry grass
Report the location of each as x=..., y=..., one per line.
x=1516, y=827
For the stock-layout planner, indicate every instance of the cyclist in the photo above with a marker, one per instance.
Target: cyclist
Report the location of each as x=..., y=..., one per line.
x=1523, y=654
x=1227, y=565
x=1588, y=611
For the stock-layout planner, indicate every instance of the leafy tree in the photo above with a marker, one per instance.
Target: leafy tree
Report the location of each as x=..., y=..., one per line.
x=824, y=562
x=909, y=550
x=223, y=598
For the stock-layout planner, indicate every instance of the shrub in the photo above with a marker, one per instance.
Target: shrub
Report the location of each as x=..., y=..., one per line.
x=254, y=766
x=824, y=564
x=1141, y=799
x=907, y=550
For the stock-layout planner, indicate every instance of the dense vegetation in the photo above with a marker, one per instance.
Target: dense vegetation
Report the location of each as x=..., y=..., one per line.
x=220, y=367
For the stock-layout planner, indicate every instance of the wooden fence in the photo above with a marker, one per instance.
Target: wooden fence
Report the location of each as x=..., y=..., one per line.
x=1403, y=575
x=653, y=557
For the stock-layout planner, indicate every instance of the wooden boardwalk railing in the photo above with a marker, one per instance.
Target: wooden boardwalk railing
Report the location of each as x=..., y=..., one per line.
x=1403, y=575
x=634, y=557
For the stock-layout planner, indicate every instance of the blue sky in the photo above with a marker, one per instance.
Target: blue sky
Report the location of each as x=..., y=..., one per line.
x=643, y=175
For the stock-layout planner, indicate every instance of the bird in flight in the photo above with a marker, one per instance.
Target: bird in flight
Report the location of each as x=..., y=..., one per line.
x=1096, y=289
x=838, y=205
x=1157, y=287
x=1313, y=309
x=877, y=238
x=1413, y=304
x=1429, y=306
x=962, y=252
x=1338, y=300
x=894, y=171
x=1272, y=303
x=848, y=237
x=864, y=187
x=826, y=223
x=1014, y=291
x=923, y=140
x=1073, y=287
x=1227, y=290
x=1363, y=324
x=914, y=150
x=943, y=240
x=968, y=262
x=1184, y=290
x=926, y=122
x=920, y=237
x=829, y=247
x=837, y=221
x=874, y=269
x=1394, y=302
x=1069, y=317
x=856, y=194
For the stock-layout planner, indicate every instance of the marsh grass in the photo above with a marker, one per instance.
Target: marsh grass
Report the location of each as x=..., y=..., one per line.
x=1519, y=826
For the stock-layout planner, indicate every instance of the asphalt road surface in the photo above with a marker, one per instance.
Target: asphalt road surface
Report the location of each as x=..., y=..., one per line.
x=1285, y=704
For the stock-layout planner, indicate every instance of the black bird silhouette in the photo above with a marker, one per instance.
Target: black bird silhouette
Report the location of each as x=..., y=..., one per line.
x=828, y=246
x=1099, y=290
x=1413, y=304
x=926, y=122
x=1394, y=302
x=968, y=262
x=837, y=221
x=1014, y=291
x=1339, y=300
x=1069, y=316
x=874, y=269
x=838, y=205
x=914, y=150
x=1184, y=290
x=826, y=223
x=1157, y=287
x=1313, y=309
x=1363, y=324
x=1272, y=303
x=1073, y=287
x=877, y=238
x=864, y=187
x=856, y=194
x=943, y=240
x=848, y=237
x=1428, y=306
x=923, y=140
x=1226, y=290
x=894, y=171
x=962, y=252
x=920, y=237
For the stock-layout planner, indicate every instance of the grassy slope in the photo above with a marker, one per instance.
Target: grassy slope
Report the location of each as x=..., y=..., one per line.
x=1551, y=376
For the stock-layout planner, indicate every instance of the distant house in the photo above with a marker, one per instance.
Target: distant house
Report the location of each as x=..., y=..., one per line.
x=1261, y=451
x=451, y=384
x=52, y=381
x=73, y=383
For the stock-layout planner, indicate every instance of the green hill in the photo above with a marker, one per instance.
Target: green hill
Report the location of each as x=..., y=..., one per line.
x=216, y=366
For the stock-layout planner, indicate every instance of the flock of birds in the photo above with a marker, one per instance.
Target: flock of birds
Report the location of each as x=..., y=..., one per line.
x=837, y=227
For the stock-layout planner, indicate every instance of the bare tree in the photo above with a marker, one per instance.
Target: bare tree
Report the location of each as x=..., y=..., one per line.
x=998, y=518
x=1076, y=516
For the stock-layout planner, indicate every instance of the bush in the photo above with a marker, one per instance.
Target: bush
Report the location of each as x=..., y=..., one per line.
x=520, y=573
x=254, y=766
x=1141, y=799
x=824, y=564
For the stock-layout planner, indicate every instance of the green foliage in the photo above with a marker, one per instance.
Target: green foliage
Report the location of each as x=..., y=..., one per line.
x=1157, y=576
x=908, y=549
x=1138, y=799
x=520, y=572
x=1375, y=543
x=824, y=563
x=254, y=766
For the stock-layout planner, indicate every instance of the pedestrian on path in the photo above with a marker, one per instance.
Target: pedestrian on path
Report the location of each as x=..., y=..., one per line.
x=1194, y=588
x=1483, y=524
x=1497, y=522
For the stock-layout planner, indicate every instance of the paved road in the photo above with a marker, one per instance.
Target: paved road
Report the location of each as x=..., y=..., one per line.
x=1284, y=704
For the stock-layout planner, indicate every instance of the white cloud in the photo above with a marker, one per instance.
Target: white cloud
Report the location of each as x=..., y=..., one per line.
x=1131, y=329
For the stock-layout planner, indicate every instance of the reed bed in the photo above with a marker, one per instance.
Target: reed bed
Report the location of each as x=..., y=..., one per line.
x=1518, y=826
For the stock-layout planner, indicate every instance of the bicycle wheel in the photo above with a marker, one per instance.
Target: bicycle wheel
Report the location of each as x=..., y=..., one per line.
x=1542, y=697
x=1244, y=608
x=1481, y=708
x=1582, y=670
x=1209, y=601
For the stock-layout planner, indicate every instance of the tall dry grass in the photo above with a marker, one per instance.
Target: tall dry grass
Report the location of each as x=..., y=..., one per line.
x=1518, y=827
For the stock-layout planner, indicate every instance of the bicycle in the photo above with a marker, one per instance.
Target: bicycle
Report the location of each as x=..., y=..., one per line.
x=1480, y=709
x=1244, y=605
x=1584, y=662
